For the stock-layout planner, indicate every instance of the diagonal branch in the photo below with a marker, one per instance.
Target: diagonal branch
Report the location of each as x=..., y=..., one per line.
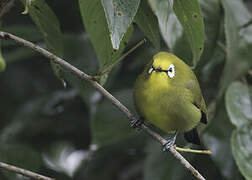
x=24, y=172
x=104, y=92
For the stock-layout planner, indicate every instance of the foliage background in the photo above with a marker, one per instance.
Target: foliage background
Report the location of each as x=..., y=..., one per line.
x=74, y=133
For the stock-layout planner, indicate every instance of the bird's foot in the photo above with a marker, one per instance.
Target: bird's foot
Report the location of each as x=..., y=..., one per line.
x=170, y=142
x=136, y=123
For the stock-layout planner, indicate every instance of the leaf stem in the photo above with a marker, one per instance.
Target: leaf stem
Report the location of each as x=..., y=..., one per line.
x=110, y=67
x=193, y=150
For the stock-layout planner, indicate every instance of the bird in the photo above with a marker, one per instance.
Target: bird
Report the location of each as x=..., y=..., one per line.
x=167, y=95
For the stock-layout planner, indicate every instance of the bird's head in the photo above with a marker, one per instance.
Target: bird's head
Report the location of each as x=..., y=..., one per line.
x=163, y=66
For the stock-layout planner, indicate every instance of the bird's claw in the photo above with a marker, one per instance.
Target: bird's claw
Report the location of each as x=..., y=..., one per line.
x=136, y=123
x=168, y=144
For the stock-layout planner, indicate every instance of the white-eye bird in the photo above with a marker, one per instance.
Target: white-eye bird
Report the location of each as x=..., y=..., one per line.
x=167, y=94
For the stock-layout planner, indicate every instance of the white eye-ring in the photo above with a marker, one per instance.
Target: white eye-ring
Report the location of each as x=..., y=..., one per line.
x=150, y=70
x=171, y=71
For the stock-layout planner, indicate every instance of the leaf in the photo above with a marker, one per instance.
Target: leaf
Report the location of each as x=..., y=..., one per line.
x=49, y=26
x=238, y=104
x=108, y=124
x=237, y=30
x=241, y=143
x=96, y=26
x=216, y=138
x=168, y=24
x=119, y=15
x=190, y=16
x=148, y=23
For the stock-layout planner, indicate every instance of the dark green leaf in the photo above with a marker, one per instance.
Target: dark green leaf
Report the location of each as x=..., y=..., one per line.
x=190, y=17
x=108, y=124
x=148, y=23
x=49, y=26
x=238, y=39
x=95, y=23
x=241, y=141
x=119, y=15
x=238, y=104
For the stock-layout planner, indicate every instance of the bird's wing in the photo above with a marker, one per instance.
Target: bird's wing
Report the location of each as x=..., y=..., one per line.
x=197, y=98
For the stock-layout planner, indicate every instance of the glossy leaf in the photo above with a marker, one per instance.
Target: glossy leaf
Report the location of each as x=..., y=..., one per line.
x=108, y=124
x=119, y=16
x=148, y=23
x=94, y=19
x=238, y=39
x=241, y=143
x=190, y=17
x=238, y=104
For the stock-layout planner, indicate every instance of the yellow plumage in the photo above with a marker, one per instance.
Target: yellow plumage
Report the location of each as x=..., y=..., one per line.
x=167, y=95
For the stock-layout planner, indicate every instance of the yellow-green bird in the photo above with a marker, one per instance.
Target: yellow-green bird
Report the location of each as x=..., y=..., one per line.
x=167, y=94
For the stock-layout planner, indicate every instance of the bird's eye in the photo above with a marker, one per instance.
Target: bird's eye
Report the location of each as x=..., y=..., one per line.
x=150, y=70
x=171, y=71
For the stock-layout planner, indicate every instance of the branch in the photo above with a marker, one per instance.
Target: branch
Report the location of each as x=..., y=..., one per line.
x=24, y=172
x=104, y=92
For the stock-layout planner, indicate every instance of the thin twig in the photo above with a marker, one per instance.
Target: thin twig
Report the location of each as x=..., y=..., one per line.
x=98, y=87
x=24, y=172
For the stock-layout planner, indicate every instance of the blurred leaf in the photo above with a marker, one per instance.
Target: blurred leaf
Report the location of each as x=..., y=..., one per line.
x=190, y=17
x=63, y=157
x=95, y=23
x=148, y=23
x=238, y=39
x=119, y=15
x=33, y=117
x=238, y=104
x=241, y=143
x=217, y=139
x=161, y=165
x=109, y=125
x=49, y=26
x=19, y=54
x=21, y=156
